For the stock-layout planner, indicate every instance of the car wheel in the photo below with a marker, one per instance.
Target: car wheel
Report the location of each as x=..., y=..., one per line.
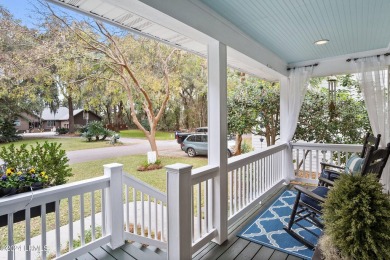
x=191, y=152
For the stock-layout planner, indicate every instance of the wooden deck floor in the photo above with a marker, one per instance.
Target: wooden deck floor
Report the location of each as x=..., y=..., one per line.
x=233, y=248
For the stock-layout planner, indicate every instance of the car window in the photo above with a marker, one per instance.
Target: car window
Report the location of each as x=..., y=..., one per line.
x=204, y=138
x=198, y=138
x=191, y=138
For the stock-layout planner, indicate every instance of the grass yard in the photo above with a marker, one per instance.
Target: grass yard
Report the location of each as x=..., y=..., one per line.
x=87, y=170
x=135, y=133
x=68, y=143
x=156, y=178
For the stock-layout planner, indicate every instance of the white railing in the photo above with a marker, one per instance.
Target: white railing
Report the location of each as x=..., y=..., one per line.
x=192, y=213
x=202, y=225
x=251, y=176
x=79, y=228
x=189, y=209
x=68, y=202
x=307, y=158
x=145, y=213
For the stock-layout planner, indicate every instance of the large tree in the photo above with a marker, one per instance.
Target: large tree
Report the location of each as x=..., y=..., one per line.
x=142, y=65
x=346, y=123
x=253, y=107
x=24, y=72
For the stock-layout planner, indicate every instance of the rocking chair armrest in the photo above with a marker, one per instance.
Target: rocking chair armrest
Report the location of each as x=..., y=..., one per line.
x=324, y=164
x=326, y=181
x=310, y=193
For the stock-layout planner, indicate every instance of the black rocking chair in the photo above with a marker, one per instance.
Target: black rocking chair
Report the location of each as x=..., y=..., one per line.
x=307, y=206
x=328, y=170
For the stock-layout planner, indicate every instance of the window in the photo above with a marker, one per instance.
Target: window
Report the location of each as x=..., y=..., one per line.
x=199, y=138
x=191, y=138
x=51, y=123
x=17, y=122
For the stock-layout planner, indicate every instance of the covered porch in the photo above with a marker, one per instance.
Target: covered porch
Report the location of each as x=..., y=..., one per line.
x=210, y=203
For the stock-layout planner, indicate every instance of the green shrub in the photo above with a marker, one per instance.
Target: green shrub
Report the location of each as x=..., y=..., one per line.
x=246, y=148
x=357, y=217
x=48, y=157
x=97, y=130
x=8, y=132
x=62, y=130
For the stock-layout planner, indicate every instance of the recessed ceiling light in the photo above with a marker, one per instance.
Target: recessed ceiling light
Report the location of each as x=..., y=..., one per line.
x=321, y=42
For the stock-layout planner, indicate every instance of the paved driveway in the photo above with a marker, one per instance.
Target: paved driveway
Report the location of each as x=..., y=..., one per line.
x=136, y=146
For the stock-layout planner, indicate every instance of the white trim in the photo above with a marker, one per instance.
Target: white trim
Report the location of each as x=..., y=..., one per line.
x=337, y=65
x=205, y=239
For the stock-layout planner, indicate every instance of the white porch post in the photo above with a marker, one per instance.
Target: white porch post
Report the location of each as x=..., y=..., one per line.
x=114, y=205
x=179, y=211
x=217, y=133
x=288, y=168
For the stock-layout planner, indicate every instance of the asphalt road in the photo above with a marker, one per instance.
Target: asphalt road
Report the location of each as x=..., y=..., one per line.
x=133, y=146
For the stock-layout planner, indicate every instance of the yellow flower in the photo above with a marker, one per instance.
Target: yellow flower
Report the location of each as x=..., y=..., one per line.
x=43, y=173
x=19, y=173
x=46, y=177
x=32, y=170
x=9, y=171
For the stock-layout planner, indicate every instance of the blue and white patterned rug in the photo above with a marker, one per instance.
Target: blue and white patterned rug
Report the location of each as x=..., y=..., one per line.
x=267, y=229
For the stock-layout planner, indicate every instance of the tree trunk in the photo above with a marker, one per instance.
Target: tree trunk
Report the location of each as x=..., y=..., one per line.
x=108, y=111
x=267, y=135
x=301, y=162
x=152, y=139
x=238, y=144
x=177, y=118
x=71, y=117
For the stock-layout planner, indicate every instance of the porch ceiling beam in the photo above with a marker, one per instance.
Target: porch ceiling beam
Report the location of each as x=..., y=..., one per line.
x=337, y=65
x=196, y=21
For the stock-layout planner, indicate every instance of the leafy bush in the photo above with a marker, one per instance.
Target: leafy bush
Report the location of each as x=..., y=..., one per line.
x=357, y=217
x=62, y=130
x=8, y=132
x=97, y=130
x=48, y=157
x=246, y=148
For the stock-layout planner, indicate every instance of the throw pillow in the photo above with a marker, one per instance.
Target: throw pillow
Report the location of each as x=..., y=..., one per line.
x=354, y=164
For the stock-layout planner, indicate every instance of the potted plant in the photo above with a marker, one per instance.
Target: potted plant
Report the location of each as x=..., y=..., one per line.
x=26, y=170
x=357, y=219
x=20, y=180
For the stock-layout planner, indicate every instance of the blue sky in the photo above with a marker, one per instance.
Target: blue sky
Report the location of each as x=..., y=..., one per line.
x=21, y=9
x=24, y=10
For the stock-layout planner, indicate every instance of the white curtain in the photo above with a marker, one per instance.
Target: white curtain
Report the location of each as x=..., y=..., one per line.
x=293, y=91
x=373, y=80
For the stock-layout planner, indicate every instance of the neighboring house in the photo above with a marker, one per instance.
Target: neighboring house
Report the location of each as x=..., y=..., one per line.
x=50, y=121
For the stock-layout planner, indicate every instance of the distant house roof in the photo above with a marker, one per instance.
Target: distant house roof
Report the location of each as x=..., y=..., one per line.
x=61, y=114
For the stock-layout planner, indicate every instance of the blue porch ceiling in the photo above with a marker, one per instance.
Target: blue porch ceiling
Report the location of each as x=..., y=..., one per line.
x=290, y=27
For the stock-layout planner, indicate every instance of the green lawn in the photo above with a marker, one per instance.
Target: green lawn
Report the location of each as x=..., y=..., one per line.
x=87, y=170
x=135, y=133
x=68, y=143
x=156, y=178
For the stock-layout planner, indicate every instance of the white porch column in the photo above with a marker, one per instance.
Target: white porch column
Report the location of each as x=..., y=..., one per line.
x=288, y=167
x=217, y=133
x=114, y=205
x=179, y=211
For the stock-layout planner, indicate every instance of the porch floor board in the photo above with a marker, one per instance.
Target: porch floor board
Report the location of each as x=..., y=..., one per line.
x=233, y=248
x=238, y=248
